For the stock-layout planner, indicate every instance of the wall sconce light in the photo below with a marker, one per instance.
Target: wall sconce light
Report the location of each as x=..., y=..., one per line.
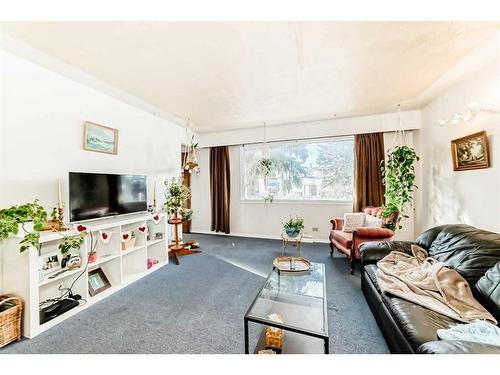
x=470, y=113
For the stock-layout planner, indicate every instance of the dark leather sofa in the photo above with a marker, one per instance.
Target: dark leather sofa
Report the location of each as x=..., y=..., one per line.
x=411, y=328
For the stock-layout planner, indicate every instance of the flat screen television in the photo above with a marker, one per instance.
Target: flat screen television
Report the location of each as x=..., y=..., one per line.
x=97, y=195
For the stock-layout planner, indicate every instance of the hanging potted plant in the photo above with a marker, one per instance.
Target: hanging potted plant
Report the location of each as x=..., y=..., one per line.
x=398, y=176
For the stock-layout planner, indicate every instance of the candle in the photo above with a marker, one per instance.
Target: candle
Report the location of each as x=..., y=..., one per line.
x=59, y=195
x=154, y=191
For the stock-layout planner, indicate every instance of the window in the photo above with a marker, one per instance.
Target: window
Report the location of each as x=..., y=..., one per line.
x=303, y=170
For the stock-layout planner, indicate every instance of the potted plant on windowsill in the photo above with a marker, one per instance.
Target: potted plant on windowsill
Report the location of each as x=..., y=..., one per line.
x=293, y=226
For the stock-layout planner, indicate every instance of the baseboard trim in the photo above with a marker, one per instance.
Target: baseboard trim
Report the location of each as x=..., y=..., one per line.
x=262, y=236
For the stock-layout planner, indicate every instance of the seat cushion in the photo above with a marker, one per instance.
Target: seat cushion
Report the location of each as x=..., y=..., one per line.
x=343, y=238
x=417, y=324
x=371, y=271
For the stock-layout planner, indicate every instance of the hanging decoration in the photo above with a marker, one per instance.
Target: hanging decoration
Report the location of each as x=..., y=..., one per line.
x=156, y=218
x=126, y=236
x=143, y=229
x=265, y=163
x=104, y=236
x=190, y=162
x=80, y=228
x=398, y=177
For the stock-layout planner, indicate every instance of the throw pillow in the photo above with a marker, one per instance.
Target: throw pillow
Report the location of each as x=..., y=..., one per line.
x=373, y=222
x=353, y=221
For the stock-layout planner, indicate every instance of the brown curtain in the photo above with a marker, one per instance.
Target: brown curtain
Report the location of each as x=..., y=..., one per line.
x=220, y=189
x=368, y=155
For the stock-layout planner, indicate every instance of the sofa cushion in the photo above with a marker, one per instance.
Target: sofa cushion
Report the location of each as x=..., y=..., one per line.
x=417, y=324
x=344, y=238
x=470, y=251
x=352, y=221
x=488, y=290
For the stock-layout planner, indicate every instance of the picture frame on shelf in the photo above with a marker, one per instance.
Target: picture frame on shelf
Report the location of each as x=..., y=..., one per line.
x=470, y=152
x=158, y=236
x=98, y=282
x=100, y=138
x=48, y=265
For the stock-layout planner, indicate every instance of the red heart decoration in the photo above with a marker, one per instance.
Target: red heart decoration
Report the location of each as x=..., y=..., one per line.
x=156, y=217
x=141, y=229
x=125, y=236
x=81, y=228
x=104, y=236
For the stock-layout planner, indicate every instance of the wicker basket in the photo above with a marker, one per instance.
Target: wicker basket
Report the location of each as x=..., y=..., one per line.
x=10, y=319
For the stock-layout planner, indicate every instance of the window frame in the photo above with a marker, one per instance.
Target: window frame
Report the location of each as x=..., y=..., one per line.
x=289, y=201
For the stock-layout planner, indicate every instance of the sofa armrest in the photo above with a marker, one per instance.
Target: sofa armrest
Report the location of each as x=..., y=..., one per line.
x=370, y=232
x=457, y=347
x=337, y=223
x=372, y=252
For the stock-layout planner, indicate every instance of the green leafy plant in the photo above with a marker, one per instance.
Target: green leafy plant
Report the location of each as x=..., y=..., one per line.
x=54, y=214
x=176, y=194
x=186, y=213
x=71, y=242
x=11, y=217
x=398, y=176
x=294, y=225
x=265, y=166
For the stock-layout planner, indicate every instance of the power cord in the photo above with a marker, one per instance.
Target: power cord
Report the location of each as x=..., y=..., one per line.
x=69, y=291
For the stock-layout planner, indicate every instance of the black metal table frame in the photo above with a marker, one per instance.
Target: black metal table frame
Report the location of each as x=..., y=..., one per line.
x=286, y=327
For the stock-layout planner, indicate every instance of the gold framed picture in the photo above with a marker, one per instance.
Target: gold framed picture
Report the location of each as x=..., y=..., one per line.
x=470, y=152
x=100, y=138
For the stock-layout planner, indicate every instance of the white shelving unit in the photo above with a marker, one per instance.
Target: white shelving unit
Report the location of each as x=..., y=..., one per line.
x=20, y=270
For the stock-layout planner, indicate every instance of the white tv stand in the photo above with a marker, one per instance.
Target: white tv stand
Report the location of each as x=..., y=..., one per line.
x=21, y=276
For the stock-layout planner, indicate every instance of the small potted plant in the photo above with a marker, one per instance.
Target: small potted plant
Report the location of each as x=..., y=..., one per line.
x=293, y=226
x=176, y=194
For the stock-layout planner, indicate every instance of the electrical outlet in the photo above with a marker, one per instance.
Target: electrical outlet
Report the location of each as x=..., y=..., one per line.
x=315, y=229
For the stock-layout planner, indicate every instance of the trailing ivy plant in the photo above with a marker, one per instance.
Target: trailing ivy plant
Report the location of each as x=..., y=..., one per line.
x=398, y=176
x=11, y=217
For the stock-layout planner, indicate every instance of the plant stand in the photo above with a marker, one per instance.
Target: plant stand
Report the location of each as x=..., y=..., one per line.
x=178, y=248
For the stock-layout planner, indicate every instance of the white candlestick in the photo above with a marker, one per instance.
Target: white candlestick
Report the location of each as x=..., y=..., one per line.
x=59, y=195
x=154, y=192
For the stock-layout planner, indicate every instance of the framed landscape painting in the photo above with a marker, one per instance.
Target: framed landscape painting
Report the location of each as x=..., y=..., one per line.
x=470, y=152
x=100, y=138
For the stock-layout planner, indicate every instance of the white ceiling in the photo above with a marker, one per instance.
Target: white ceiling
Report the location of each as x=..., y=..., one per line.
x=226, y=75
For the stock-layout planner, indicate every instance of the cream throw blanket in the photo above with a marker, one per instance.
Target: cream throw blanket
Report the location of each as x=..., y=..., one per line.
x=429, y=283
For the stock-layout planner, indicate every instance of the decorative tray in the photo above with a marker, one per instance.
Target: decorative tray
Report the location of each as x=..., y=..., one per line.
x=292, y=264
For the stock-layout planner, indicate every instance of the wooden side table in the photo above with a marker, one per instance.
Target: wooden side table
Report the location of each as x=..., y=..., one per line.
x=178, y=248
x=296, y=241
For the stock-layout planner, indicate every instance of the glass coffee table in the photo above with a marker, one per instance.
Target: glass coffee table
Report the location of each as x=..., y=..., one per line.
x=300, y=299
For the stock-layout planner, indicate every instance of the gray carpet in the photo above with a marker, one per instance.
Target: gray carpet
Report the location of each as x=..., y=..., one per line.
x=198, y=307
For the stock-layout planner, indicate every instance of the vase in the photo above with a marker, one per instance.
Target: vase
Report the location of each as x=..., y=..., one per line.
x=292, y=232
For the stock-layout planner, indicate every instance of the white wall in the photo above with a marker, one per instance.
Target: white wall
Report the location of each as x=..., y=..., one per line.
x=41, y=134
x=446, y=196
x=261, y=219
